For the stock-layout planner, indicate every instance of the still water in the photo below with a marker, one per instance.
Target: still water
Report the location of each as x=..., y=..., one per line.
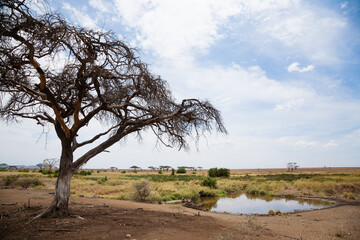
x=248, y=204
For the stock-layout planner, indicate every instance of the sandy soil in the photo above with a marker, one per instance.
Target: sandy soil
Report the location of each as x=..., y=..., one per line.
x=94, y=218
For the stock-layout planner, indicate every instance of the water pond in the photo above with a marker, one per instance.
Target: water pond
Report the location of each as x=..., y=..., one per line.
x=249, y=204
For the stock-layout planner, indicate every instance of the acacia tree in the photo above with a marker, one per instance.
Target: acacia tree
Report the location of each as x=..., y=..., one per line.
x=102, y=79
x=50, y=163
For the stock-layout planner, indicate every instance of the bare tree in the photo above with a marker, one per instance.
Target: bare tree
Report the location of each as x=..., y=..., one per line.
x=50, y=163
x=101, y=79
x=113, y=168
x=291, y=166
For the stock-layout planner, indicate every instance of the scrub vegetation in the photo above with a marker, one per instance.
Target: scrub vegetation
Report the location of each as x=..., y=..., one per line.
x=167, y=187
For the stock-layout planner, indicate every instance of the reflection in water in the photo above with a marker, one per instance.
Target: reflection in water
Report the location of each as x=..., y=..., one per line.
x=249, y=204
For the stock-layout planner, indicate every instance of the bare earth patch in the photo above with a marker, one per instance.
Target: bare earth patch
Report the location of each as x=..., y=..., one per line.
x=94, y=218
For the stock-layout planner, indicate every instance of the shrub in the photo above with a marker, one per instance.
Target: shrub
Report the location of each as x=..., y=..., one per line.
x=181, y=170
x=10, y=180
x=349, y=195
x=25, y=183
x=209, y=182
x=204, y=193
x=45, y=172
x=123, y=171
x=160, y=171
x=271, y=212
x=172, y=171
x=142, y=190
x=194, y=197
x=23, y=170
x=257, y=190
x=221, y=172
x=28, y=182
x=85, y=173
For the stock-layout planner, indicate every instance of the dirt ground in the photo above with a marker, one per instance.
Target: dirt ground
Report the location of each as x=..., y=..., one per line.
x=95, y=218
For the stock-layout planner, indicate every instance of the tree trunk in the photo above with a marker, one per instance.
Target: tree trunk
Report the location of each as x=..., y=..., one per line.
x=60, y=203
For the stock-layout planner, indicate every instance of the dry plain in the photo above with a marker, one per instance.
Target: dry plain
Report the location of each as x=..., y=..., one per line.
x=96, y=216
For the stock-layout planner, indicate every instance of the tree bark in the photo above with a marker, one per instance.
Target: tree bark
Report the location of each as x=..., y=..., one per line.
x=60, y=203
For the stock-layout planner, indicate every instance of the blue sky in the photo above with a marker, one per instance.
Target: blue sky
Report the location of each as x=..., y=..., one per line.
x=284, y=74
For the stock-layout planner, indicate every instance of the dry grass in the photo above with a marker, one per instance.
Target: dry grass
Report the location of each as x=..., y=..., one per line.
x=343, y=184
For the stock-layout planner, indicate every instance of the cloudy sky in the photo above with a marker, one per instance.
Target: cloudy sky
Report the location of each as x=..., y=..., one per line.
x=284, y=74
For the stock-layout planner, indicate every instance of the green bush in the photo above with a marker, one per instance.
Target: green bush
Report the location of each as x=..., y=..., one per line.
x=221, y=172
x=23, y=170
x=85, y=173
x=45, y=172
x=181, y=170
x=172, y=171
x=160, y=172
x=209, y=182
x=123, y=171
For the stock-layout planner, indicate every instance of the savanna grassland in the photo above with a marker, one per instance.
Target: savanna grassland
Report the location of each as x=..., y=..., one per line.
x=335, y=183
x=104, y=205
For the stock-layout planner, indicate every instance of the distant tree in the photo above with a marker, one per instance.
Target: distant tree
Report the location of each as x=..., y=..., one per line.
x=101, y=79
x=4, y=165
x=50, y=163
x=40, y=165
x=291, y=166
x=135, y=168
x=152, y=168
x=113, y=168
x=200, y=168
x=165, y=168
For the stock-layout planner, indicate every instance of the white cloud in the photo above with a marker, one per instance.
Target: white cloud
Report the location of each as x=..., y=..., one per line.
x=81, y=18
x=295, y=67
x=233, y=84
x=305, y=144
x=102, y=6
x=184, y=29
x=296, y=141
x=331, y=144
x=312, y=32
x=293, y=104
x=174, y=29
